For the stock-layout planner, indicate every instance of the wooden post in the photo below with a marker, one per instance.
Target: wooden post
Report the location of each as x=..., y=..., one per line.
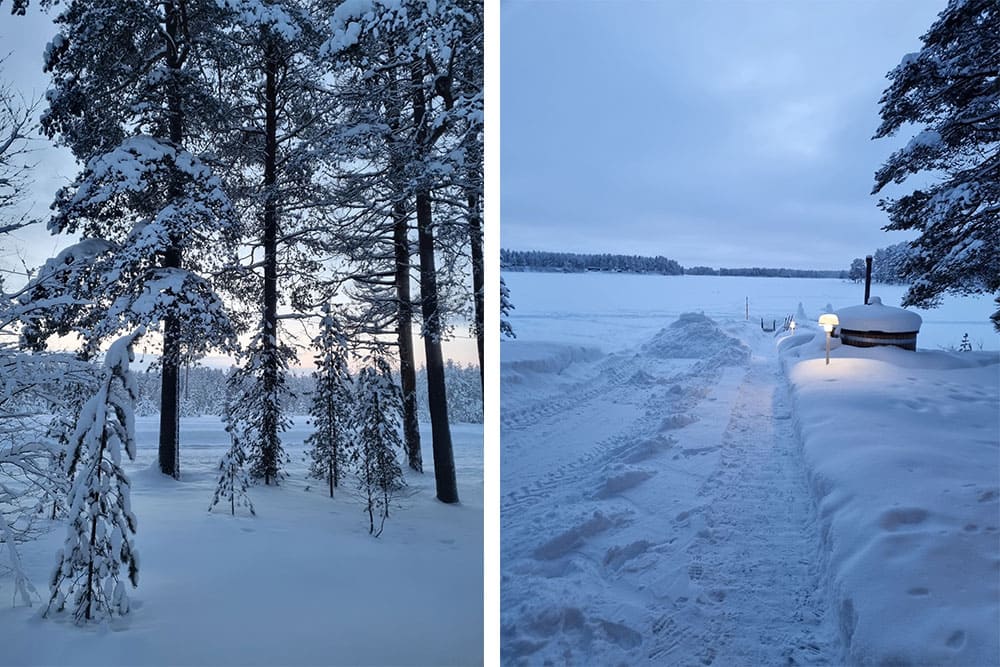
x=748, y=308
x=868, y=277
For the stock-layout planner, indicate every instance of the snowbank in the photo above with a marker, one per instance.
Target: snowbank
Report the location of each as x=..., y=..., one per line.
x=902, y=450
x=695, y=336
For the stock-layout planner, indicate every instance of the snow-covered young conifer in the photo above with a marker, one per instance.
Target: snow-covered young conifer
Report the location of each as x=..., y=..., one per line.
x=233, y=480
x=101, y=523
x=378, y=420
x=332, y=404
x=505, y=307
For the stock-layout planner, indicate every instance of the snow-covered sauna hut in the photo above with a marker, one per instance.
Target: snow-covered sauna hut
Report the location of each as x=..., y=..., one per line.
x=875, y=324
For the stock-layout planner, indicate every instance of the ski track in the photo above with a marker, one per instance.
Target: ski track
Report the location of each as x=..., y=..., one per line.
x=682, y=534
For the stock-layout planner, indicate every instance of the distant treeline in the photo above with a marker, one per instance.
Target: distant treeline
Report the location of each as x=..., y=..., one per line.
x=568, y=262
x=571, y=262
x=203, y=392
x=765, y=273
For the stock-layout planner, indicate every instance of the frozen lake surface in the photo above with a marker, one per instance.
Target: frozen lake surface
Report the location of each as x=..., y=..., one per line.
x=617, y=309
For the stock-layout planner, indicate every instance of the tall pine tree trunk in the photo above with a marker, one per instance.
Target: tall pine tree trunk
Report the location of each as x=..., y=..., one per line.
x=478, y=278
x=404, y=328
x=169, y=451
x=444, y=459
x=269, y=420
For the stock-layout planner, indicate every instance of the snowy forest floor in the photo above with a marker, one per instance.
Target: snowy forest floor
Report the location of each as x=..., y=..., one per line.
x=657, y=505
x=302, y=583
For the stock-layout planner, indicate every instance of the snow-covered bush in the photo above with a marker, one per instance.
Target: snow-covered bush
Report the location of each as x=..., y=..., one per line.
x=464, y=393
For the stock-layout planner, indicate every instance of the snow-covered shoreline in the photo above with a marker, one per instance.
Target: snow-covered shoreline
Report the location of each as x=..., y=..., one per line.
x=903, y=454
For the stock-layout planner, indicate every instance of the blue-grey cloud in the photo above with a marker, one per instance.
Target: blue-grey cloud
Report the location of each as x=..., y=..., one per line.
x=717, y=133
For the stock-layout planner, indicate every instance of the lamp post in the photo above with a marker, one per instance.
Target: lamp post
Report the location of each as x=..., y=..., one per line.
x=828, y=321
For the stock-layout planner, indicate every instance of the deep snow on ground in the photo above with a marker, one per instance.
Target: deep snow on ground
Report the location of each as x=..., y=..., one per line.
x=903, y=450
x=302, y=583
x=660, y=481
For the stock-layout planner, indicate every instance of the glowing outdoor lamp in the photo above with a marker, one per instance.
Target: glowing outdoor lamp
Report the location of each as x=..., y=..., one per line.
x=792, y=325
x=828, y=322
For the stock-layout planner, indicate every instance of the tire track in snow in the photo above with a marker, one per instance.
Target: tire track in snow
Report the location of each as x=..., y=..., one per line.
x=565, y=527
x=632, y=440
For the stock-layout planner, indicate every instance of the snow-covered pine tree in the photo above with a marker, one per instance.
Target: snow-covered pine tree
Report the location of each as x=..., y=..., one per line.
x=378, y=420
x=276, y=154
x=101, y=523
x=332, y=406
x=950, y=89
x=374, y=236
x=416, y=47
x=233, y=483
x=857, y=270
x=153, y=217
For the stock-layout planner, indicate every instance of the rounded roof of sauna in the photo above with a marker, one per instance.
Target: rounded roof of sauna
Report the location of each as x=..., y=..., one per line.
x=877, y=317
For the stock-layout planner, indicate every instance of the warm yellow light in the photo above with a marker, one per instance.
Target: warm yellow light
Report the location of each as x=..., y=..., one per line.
x=828, y=321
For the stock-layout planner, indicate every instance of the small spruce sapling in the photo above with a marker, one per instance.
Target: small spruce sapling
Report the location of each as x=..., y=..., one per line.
x=233, y=479
x=966, y=344
x=379, y=418
x=101, y=523
x=332, y=402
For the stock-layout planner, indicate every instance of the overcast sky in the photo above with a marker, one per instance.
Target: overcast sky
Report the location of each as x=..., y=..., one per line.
x=714, y=133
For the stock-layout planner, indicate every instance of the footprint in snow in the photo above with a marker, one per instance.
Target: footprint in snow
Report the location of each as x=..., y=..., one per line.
x=892, y=520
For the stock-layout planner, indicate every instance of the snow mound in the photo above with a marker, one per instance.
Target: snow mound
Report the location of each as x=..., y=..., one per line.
x=878, y=317
x=696, y=336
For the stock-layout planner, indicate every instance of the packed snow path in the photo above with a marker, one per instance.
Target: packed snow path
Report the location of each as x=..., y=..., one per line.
x=655, y=508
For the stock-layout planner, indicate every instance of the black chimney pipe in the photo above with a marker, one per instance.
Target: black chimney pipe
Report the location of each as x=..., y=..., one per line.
x=868, y=277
